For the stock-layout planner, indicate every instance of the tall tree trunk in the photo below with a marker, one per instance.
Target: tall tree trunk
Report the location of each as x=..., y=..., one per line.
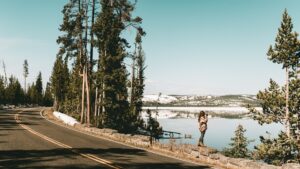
x=132, y=78
x=92, y=37
x=287, y=115
x=82, y=98
x=298, y=120
x=55, y=104
x=85, y=6
x=102, y=94
x=82, y=62
x=91, y=64
x=88, y=99
x=96, y=107
x=101, y=107
x=87, y=65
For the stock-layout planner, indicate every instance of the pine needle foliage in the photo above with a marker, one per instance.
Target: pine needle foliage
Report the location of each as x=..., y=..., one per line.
x=238, y=146
x=153, y=127
x=281, y=104
x=277, y=151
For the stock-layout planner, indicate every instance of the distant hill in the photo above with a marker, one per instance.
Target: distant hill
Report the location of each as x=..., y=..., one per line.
x=196, y=100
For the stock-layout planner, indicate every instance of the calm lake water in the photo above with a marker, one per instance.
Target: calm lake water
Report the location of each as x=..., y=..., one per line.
x=219, y=131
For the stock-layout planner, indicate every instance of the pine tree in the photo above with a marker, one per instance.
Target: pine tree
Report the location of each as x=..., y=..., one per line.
x=14, y=93
x=68, y=41
x=137, y=83
x=286, y=44
x=74, y=44
x=272, y=101
x=238, y=146
x=115, y=16
x=153, y=127
x=25, y=73
x=2, y=90
x=31, y=93
x=39, y=89
x=80, y=36
x=48, y=99
x=281, y=104
x=4, y=71
x=277, y=151
x=59, y=82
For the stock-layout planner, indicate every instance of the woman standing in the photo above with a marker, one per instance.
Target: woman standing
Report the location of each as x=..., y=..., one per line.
x=202, y=120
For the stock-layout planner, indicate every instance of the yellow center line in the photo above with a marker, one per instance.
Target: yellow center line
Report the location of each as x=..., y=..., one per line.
x=86, y=155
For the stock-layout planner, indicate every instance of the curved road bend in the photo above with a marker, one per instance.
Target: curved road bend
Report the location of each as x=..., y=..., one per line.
x=33, y=142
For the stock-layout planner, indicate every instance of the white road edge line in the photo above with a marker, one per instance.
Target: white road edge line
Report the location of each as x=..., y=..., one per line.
x=96, y=136
x=89, y=156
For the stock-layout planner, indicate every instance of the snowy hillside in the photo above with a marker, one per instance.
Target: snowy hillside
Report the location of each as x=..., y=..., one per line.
x=196, y=100
x=163, y=99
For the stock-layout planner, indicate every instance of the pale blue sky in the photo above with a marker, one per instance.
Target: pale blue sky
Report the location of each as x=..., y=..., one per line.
x=192, y=46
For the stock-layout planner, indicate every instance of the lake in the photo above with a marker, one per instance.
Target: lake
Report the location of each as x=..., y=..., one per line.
x=219, y=131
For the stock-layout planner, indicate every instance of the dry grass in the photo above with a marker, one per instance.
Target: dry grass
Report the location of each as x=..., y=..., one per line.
x=48, y=113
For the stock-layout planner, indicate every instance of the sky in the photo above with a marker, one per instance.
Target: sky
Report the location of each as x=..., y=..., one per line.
x=192, y=46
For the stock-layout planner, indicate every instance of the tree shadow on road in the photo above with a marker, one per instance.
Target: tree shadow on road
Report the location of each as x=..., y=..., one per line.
x=46, y=159
x=63, y=158
x=7, y=122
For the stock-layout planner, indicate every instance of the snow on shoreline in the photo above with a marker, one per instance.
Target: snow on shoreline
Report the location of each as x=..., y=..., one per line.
x=231, y=110
x=65, y=118
x=191, y=112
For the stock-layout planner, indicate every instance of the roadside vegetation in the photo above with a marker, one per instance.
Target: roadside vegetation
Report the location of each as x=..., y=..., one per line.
x=90, y=78
x=12, y=92
x=281, y=104
x=98, y=78
x=238, y=146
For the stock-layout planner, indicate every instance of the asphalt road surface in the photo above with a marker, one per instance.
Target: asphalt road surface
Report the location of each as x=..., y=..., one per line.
x=28, y=141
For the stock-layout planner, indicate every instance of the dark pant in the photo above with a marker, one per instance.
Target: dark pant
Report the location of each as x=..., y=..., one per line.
x=201, y=138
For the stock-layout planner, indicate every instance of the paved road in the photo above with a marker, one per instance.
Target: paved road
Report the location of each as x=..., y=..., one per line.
x=36, y=143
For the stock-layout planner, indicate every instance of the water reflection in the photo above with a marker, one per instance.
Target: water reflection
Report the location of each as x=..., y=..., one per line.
x=220, y=130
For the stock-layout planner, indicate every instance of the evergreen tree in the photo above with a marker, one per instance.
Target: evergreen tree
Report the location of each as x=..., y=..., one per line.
x=153, y=127
x=72, y=101
x=115, y=16
x=74, y=44
x=238, y=146
x=14, y=93
x=68, y=41
x=272, y=101
x=283, y=52
x=25, y=73
x=281, y=104
x=59, y=82
x=277, y=151
x=39, y=89
x=2, y=90
x=48, y=99
x=31, y=92
x=74, y=47
x=79, y=33
x=137, y=84
x=4, y=71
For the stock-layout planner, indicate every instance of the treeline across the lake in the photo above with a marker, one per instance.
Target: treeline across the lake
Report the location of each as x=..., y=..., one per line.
x=12, y=92
x=90, y=79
